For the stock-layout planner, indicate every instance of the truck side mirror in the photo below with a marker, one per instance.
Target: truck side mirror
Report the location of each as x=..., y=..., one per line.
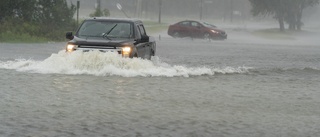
x=144, y=38
x=69, y=35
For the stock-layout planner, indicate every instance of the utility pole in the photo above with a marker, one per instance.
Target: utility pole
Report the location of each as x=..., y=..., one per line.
x=98, y=4
x=201, y=9
x=78, y=7
x=160, y=7
x=225, y=11
x=138, y=8
x=231, y=8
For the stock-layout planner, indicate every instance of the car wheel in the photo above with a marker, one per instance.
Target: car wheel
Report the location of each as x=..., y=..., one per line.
x=206, y=36
x=176, y=34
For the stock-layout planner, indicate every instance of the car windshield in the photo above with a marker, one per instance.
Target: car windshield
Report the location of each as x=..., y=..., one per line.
x=108, y=29
x=208, y=25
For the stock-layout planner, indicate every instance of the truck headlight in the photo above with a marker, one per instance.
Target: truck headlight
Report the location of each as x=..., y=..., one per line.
x=126, y=51
x=71, y=47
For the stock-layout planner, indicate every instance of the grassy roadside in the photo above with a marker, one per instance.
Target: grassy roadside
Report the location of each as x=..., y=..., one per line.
x=151, y=28
x=9, y=37
x=275, y=34
x=154, y=27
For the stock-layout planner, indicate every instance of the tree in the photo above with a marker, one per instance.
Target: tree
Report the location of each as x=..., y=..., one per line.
x=295, y=10
x=270, y=7
x=54, y=15
x=289, y=11
x=18, y=9
x=99, y=13
x=43, y=18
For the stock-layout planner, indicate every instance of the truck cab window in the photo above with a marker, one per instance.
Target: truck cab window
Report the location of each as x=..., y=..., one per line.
x=142, y=30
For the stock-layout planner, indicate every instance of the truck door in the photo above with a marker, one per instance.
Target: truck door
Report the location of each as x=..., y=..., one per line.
x=143, y=48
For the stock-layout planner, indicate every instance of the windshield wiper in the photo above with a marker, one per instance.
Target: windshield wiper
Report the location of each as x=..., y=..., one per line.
x=108, y=32
x=89, y=36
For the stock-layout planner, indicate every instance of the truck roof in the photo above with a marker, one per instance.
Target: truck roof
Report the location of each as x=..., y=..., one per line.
x=116, y=19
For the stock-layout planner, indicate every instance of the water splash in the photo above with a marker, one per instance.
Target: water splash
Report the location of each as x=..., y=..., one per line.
x=110, y=64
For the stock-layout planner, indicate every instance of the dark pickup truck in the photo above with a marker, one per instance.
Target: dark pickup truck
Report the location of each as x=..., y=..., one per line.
x=127, y=37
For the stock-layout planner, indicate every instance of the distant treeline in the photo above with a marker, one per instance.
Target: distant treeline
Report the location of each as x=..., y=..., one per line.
x=289, y=11
x=23, y=20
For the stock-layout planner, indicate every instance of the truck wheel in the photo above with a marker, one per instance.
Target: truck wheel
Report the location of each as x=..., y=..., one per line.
x=152, y=53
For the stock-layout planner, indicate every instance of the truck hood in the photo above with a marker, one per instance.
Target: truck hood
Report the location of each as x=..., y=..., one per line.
x=99, y=41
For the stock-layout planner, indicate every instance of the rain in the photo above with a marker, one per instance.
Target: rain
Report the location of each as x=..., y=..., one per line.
x=256, y=73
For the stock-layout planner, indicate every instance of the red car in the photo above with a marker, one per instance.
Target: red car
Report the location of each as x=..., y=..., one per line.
x=196, y=29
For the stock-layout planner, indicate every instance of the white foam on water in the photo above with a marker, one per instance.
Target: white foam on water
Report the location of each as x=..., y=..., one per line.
x=110, y=64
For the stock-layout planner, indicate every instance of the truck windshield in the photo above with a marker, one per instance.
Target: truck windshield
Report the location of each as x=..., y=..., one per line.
x=109, y=29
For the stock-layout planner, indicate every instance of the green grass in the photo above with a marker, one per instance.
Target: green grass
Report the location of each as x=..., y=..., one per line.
x=275, y=34
x=154, y=27
x=10, y=37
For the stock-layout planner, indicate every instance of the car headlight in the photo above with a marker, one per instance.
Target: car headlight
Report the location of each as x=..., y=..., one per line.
x=126, y=51
x=71, y=47
x=213, y=31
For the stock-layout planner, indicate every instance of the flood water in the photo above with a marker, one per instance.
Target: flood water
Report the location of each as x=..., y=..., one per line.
x=192, y=88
